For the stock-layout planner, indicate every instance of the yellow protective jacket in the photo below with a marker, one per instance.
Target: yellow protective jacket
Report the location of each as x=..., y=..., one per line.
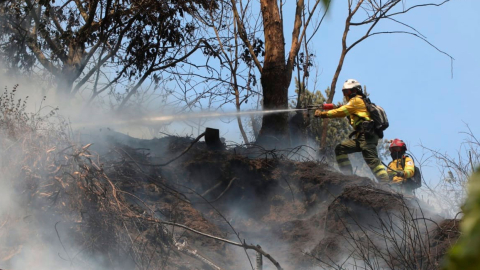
x=397, y=165
x=355, y=109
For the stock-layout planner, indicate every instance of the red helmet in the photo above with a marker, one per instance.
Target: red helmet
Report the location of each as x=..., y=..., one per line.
x=398, y=143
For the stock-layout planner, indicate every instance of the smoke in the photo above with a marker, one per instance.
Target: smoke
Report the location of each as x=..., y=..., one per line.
x=60, y=210
x=51, y=213
x=28, y=229
x=26, y=241
x=79, y=112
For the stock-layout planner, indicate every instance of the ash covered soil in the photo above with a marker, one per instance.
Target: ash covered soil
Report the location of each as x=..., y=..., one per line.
x=304, y=214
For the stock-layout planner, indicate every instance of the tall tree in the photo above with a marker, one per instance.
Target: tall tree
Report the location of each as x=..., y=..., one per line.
x=276, y=66
x=132, y=38
x=248, y=40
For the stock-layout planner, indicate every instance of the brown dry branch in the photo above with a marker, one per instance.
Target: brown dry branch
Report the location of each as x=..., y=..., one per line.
x=56, y=179
x=245, y=246
x=93, y=197
x=153, y=219
x=399, y=238
x=450, y=191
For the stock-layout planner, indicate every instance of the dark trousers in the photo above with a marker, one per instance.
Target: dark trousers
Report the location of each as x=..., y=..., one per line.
x=367, y=144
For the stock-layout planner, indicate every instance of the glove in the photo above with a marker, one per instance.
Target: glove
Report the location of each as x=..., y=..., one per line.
x=400, y=174
x=319, y=113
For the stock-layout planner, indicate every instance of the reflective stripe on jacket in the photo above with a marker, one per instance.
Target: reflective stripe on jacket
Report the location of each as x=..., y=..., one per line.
x=355, y=108
x=397, y=165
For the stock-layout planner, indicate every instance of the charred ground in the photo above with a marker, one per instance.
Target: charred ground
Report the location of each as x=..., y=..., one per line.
x=115, y=201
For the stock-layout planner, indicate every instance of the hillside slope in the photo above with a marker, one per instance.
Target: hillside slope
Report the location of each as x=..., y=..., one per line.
x=211, y=209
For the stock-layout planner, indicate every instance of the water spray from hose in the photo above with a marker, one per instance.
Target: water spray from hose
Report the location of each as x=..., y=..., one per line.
x=186, y=116
x=168, y=118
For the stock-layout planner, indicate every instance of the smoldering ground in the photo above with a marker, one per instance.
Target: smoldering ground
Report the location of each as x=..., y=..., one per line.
x=368, y=228
x=70, y=204
x=31, y=230
x=56, y=210
x=284, y=206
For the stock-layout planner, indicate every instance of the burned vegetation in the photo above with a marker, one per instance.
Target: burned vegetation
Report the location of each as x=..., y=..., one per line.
x=103, y=200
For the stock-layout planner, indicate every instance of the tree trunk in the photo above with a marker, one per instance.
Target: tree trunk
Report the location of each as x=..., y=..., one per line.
x=64, y=85
x=274, y=130
x=71, y=70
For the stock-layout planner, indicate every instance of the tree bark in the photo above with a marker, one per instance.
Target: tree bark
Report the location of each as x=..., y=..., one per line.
x=274, y=130
x=64, y=85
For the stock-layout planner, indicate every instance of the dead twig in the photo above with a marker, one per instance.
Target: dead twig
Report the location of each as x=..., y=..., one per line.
x=244, y=245
x=221, y=194
x=179, y=156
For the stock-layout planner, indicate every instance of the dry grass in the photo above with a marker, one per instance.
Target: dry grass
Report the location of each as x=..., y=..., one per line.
x=52, y=177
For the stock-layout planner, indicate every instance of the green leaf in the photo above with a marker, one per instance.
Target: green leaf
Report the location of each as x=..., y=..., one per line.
x=326, y=3
x=464, y=255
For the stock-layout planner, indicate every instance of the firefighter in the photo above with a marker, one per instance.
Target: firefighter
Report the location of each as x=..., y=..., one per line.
x=364, y=139
x=401, y=167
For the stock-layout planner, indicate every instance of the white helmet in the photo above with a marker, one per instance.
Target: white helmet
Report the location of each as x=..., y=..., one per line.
x=352, y=83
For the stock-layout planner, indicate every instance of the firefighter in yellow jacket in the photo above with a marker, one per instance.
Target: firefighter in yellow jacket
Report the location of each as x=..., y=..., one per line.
x=401, y=167
x=365, y=139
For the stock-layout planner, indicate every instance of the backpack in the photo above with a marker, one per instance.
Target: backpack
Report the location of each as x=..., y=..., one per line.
x=378, y=115
x=416, y=180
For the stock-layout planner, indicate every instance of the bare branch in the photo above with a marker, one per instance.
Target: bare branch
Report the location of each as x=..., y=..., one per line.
x=55, y=48
x=244, y=37
x=408, y=33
